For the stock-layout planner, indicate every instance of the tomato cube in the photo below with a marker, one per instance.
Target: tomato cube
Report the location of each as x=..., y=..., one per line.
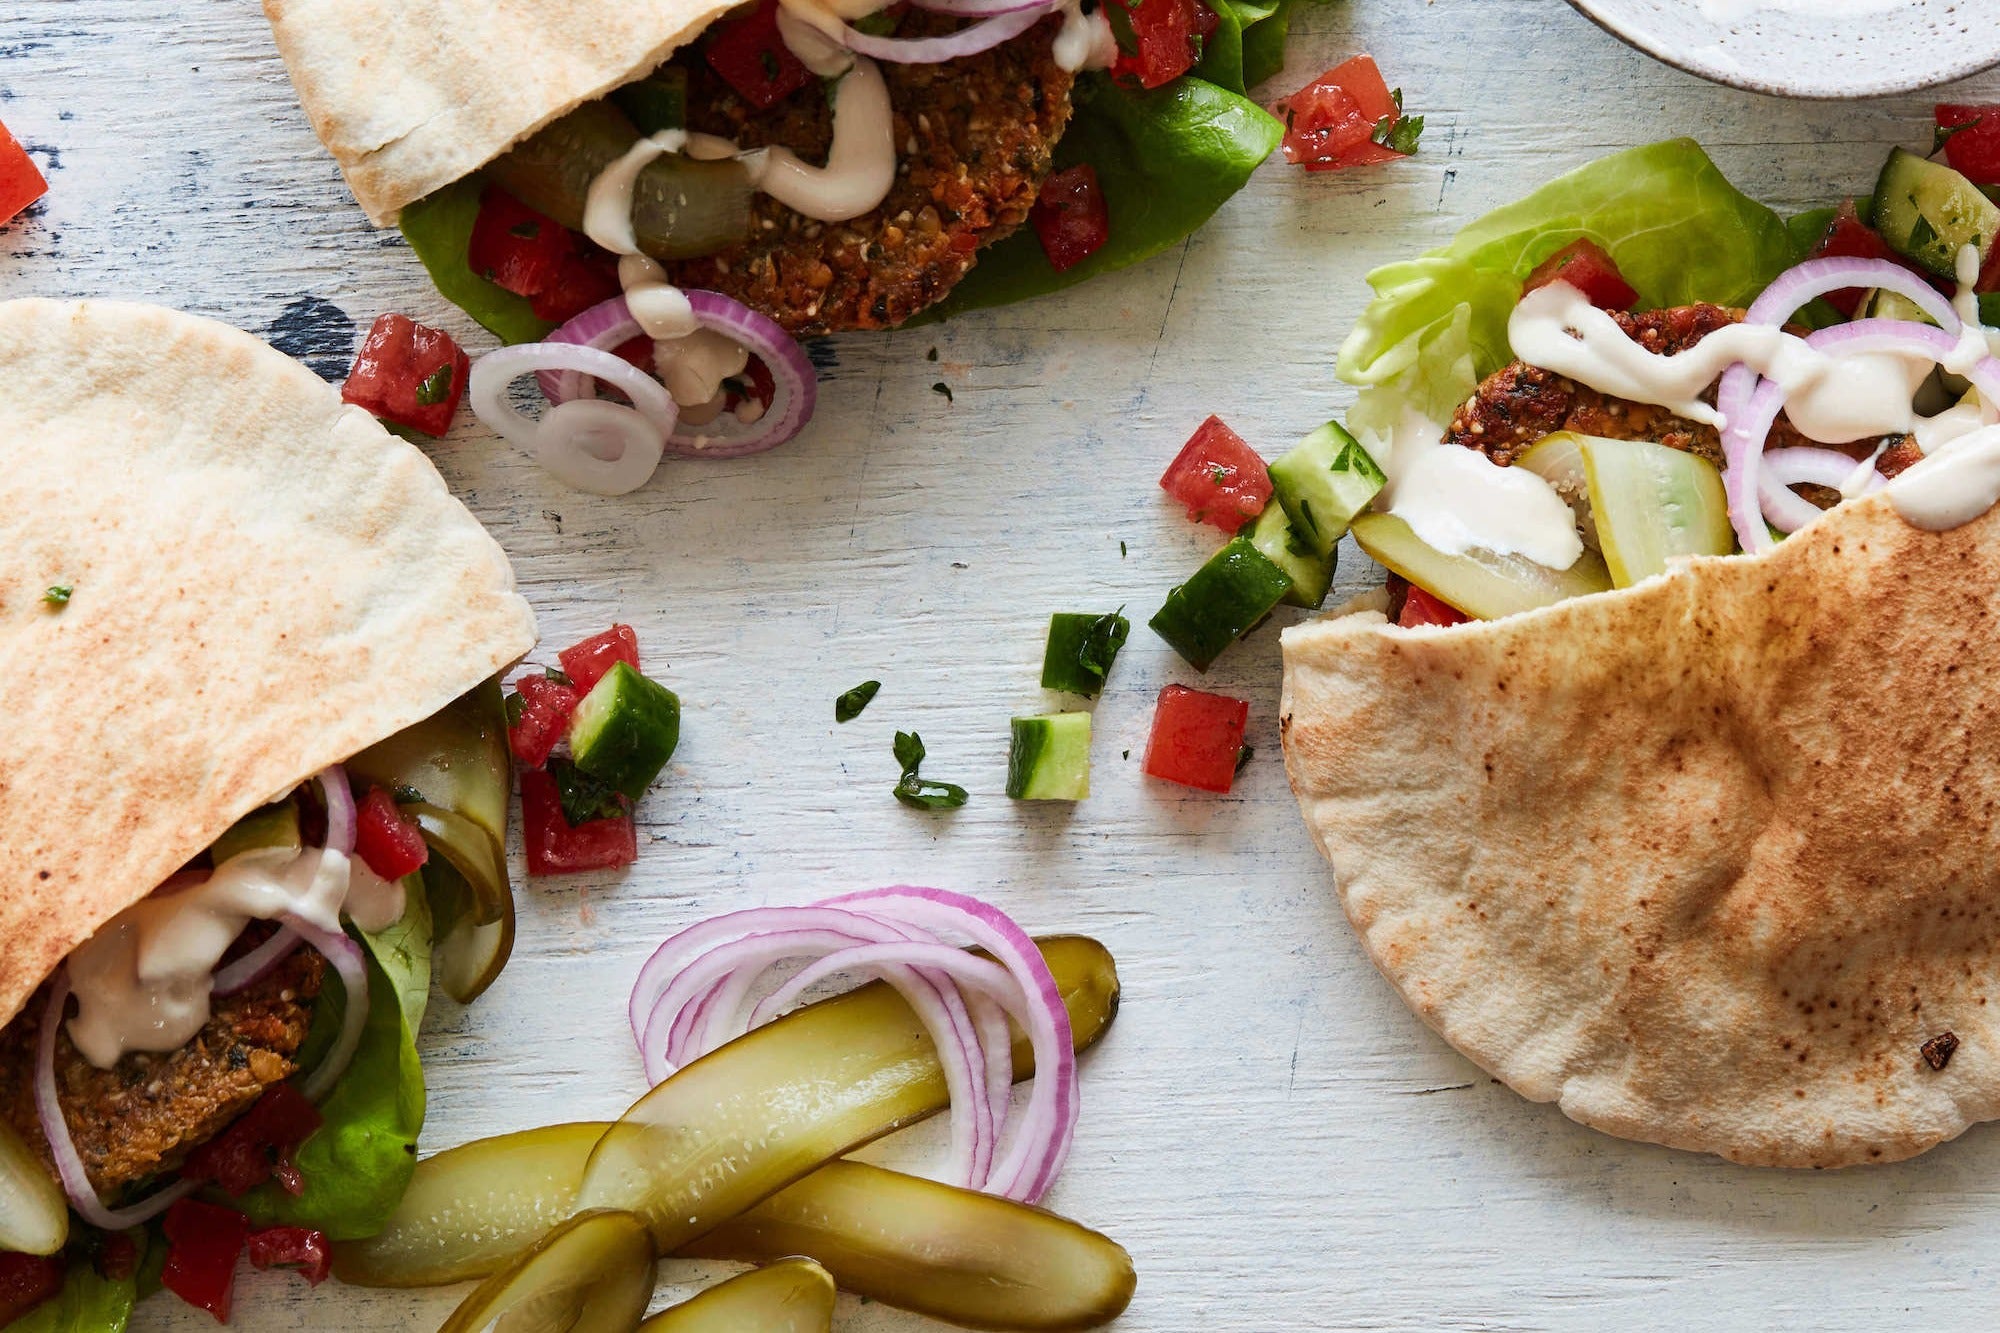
x=514, y=247
x=1197, y=738
x=585, y=663
x=1070, y=216
x=1166, y=37
x=1420, y=608
x=259, y=1145
x=1584, y=265
x=26, y=1280
x=300, y=1249
x=386, y=838
x=1330, y=123
x=408, y=373
x=557, y=848
x=21, y=181
x=1218, y=477
x=1974, y=152
x=538, y=716
x=204, y=1241
x=752, y=57
x=1848, y=236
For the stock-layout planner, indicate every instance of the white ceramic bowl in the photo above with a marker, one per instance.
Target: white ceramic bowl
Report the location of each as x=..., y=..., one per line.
x=1811, y=48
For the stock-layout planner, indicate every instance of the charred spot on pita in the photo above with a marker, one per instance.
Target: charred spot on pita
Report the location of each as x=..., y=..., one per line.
x=1938, y=1050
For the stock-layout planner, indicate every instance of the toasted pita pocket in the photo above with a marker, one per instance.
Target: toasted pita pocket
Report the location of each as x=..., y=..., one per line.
x=411, y=95
x=1706, y=862
x=263, y=582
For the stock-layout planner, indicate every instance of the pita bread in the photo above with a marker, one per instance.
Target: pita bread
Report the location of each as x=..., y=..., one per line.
x=411, y=95
x=264, y=582
x=1706, y=862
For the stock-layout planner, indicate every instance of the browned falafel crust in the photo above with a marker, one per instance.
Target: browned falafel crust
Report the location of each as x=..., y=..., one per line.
x=974, y=139
x=146, y=1113
x=1519, y=404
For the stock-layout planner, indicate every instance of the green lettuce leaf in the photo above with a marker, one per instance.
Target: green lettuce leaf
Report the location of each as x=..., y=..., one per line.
x=1678, y=230
x=1166, y=160
x=358, y=1164
x=1222, y=55
x=87, y=1303
x=439, y=228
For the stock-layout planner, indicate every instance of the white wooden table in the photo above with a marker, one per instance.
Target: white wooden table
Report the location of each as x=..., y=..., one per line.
x=1279, y=1144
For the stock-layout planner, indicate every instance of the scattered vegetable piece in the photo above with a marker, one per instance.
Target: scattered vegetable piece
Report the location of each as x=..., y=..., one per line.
x=556, y=847
x=21, y=181
x=1847, y=236
x=1218, y=477
x=585, y=663
x=1225, y=599
x=1928, y=212
x=1070, y=217
x=390, y=841
x=1335, y=120
x=1420, y=608
x=598, y=1269
x=58, y=594
x=1322, y=482
x=1081, y=648
x=1165, y=38
x=409, y=374
x=922, y=793
x=531, y=254
x=790, y=1296
x=1196, y=738
x=1970, y=136
x=584, y=798
x=1279, y=540
x=300, y=1249
x=204, y=1241
x=538, y=715
x=1584, y=265
x=26, y=1280
x=751, y=55
x=259, y=1145
x=626, y=729
x=849, y=705
x=1049, y=758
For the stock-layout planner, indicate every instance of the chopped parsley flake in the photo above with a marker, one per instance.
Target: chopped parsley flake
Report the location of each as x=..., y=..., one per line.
x=849, y=705
x=922, y=793
x=58, y=594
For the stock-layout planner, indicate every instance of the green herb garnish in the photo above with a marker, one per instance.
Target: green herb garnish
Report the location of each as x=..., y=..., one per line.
x=849, y=705
x=1243, y=757
x=922, y=793
x=408, y=795
x=882, y=23
x=436, y=386
x=583, y=797
x=931, y=355
x=1942, y=135
x=1922, y=233
x=58, y=594
x=1398, y=133
x=512, y=706
x=945, y=389
x=558, y=675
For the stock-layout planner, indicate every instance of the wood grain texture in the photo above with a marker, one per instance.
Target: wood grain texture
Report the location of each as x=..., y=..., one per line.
x=1277, y=1141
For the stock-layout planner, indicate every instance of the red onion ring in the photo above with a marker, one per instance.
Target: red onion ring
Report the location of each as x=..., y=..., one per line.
x=1802, y=283
x=339, y=798
x=983, y=8
x=62, y=1147
x=1800, y=465
x=609, y=324
x=253, y=966
x=967, y=41
x=347, y=960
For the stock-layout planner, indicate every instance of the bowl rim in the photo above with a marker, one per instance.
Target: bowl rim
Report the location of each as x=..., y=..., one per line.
x=1649, y=44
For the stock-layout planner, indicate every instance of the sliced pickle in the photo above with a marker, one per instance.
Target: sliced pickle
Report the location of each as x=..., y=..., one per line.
x=471, y=1208
x=592, y=1274
x=791, y=1296
x=34, y=1215
x=1654, y=504
x=681, y=208
x=456, y=759
x=1483, y=585
x=468, y=953
x=954, y=1254
x=475, y=856
x=275, y=825
x=1558, y=459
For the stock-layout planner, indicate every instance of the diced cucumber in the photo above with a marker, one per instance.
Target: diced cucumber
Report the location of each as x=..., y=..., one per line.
x=1278, y=538
x=1483, y=585
x=1323, y=481
x=625, y=730
x=1226, y=597
x=1081, y=649
x=1049, y=759
x=1653, y=503
x=1881, y=303
x=267, y=826
x=1928, y=212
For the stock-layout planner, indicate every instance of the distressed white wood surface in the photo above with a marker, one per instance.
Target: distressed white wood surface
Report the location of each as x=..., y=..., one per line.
x=1279, y=1143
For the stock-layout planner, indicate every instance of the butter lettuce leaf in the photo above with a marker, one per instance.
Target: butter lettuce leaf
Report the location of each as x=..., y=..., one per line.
x=439, y=228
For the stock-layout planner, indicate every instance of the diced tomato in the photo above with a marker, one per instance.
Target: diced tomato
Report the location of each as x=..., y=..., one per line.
x=204, y=1241
x=759, y=386
x=555, y=848
x=1584, y=265
x=300, y=1249
x=585, y=663
x=542, y=717
x=386, y=838
x=1197, y=738
x=1166, y=38
x=1071, y=218
x=1218, y=477
x=1420, y=608
x=515, y=247
x=1973, y=152
x=582, y=280
x=1330, y=123
x=259, y=1145
x=750, y=54
x=1847, y=236
x=117, y=1256
x=408, y=373
x=21, y=181
x=26, y=1280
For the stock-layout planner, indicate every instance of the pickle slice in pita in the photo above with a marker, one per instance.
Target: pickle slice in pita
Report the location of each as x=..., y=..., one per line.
x=1653, y=504
x=1480, y=583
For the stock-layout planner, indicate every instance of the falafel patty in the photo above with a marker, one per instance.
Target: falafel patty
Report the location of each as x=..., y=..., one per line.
x=146, y=1113
x=974, y=139
x=1519, y=404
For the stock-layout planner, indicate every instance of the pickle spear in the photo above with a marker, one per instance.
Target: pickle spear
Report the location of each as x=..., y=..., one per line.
x=468, y=1210
x=34, y=1215
x=791, y=1296
x=592, y=1274
x=681, y=208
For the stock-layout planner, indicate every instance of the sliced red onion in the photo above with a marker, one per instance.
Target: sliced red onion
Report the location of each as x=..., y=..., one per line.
x=967, y=41
x=339, y=798
x=252, y=967
x=346, y=957
x=600, y=447
x=981, y=9
x=1816, y=277
x=62, y=1147
x=1798, y=466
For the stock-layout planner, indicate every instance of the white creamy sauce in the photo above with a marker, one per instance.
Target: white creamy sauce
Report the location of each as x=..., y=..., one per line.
x=812, y=33
x=1085, y=41
x=1952, y=486
x=142, y=981
x=861, y=165
x=1934, y=433
x=694, y=367
x=607, y=206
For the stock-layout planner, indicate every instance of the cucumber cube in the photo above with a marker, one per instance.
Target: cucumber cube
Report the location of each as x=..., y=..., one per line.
x=1278, y=538
x=1323, y=482
x=1081, y=649
x=625, y=730
x=1222, y=602
x=1049, y=759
